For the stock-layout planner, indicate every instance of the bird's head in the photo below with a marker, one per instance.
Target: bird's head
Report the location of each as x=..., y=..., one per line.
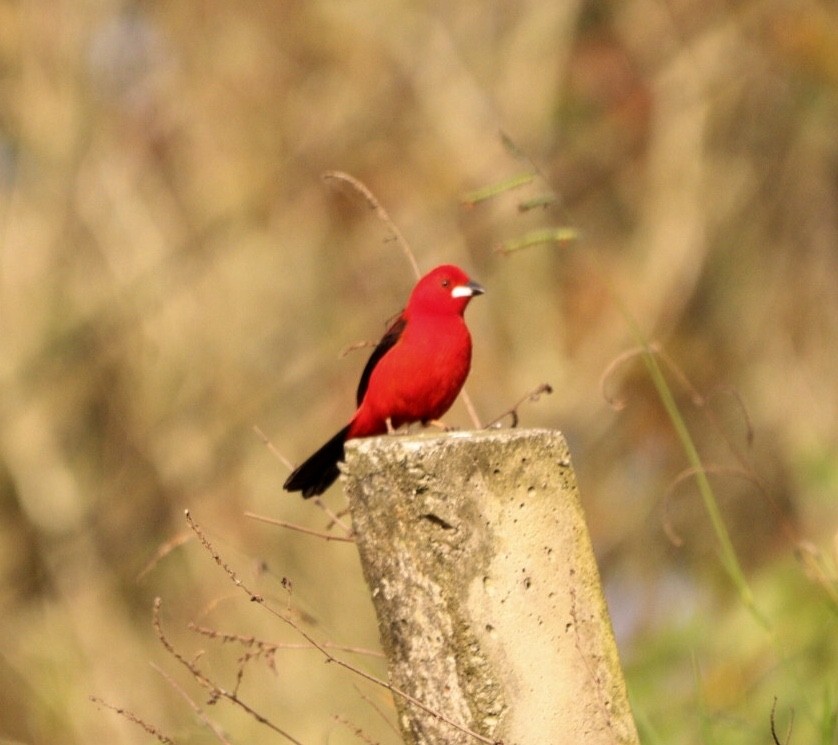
x=444, y=290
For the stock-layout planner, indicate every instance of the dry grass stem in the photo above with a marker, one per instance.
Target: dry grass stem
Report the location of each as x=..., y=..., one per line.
x=131, y=717
x=216, y=692
x=533, y=395
x=380, y=212
x=199, y=712
x=270, y=648
x=299, y=528
x=688, y=473
x=377, y=709
x=272, y=448
x=255, y=598
x=163, y=551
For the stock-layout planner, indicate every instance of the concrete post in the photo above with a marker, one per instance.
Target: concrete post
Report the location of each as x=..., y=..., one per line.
x=488, y=597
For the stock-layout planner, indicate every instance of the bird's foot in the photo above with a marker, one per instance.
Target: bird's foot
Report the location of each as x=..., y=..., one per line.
x=439, y=424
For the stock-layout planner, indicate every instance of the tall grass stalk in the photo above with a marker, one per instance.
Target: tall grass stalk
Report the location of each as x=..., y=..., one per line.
x=727, y=553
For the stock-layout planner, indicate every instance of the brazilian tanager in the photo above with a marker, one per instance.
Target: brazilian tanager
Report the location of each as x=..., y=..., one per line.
x=413, y=375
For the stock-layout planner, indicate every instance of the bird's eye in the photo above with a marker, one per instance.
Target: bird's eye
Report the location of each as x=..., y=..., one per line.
x=446, y=282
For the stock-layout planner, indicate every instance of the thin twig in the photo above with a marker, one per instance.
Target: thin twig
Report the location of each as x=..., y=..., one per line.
x=279, y=456
x=333, y=516
x=698, y=399
x=255, y=598
x=377, y=709
x=199, y=712
x=380, y=213
x=299, y=528
x=267, y=648
x=470, y=408
x=131, y=717
x=216, y=692
x=356, y=730
x=163, y=551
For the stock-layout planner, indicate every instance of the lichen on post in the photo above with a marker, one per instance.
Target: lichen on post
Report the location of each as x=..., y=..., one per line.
x=488, y=597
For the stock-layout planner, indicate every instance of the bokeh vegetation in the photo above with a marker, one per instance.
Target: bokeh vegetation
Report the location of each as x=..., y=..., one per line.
x=173, y=271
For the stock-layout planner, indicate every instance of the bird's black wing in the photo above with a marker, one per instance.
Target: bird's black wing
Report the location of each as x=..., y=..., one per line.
x=391, y=336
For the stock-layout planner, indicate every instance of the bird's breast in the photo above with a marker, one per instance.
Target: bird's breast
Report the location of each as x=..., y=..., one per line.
x=421, y=376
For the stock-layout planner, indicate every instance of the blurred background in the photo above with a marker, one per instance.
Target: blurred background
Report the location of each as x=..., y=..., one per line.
x=174, y=272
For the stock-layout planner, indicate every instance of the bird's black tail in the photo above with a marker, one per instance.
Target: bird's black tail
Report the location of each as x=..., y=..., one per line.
x=318, y=472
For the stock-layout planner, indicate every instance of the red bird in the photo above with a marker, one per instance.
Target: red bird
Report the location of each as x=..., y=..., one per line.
x=414, y=374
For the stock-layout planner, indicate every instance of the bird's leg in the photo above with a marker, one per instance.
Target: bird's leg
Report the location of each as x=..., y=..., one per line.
x=439, y=424
x=392, y=430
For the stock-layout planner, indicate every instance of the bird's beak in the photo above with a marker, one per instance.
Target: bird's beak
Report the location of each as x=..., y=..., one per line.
x=469, y=290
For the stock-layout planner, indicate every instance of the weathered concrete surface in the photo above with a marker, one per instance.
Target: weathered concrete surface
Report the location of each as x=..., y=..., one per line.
x=487, y=594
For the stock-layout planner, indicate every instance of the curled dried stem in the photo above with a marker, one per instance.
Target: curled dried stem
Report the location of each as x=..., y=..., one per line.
x=688, y=473
x=533, y=395
x=774, y=728
x=618, y=404
x=380, y=213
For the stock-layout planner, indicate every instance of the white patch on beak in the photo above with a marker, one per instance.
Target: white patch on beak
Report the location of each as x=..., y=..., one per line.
x=469, y=290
